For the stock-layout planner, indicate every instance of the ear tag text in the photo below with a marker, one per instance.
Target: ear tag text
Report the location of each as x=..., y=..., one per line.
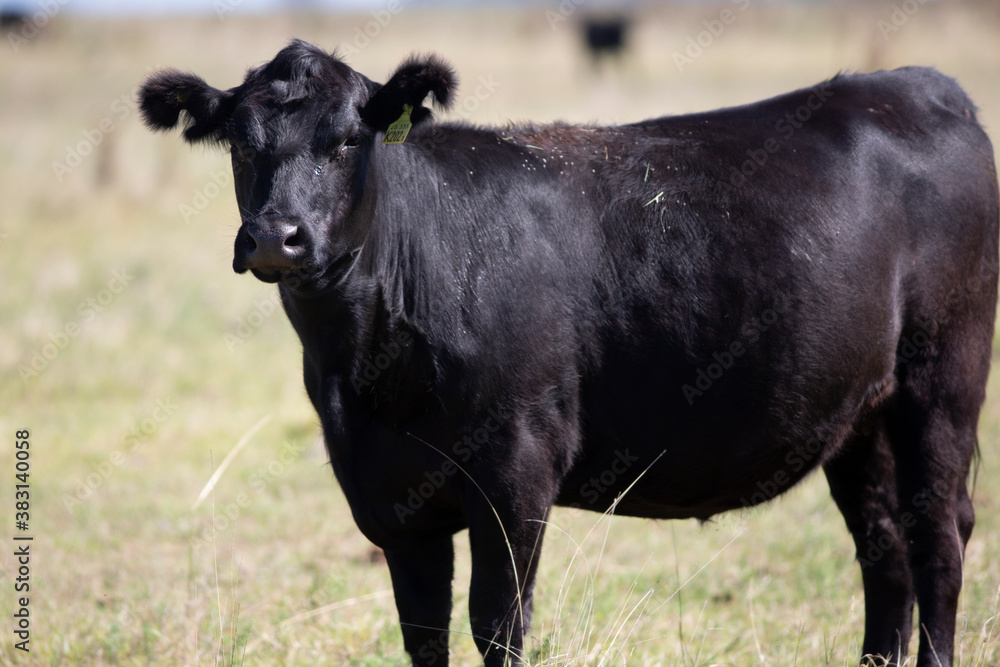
x=396, y=133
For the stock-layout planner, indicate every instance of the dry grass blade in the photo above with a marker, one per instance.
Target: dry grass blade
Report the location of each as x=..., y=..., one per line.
x=240, y=444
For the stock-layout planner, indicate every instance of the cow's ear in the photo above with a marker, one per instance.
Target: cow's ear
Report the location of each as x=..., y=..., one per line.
x=165, y=94
x=410, y=84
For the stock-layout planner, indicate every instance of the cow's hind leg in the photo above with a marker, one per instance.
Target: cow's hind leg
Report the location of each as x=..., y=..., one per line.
x=862, y=482
x=932, y=429
x=421, y=582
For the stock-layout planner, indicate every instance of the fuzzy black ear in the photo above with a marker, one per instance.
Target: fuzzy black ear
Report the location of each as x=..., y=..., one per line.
x=165, y=94
x=409, y=85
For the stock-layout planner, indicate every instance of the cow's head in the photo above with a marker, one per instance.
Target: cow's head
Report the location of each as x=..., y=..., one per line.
x=301, y=131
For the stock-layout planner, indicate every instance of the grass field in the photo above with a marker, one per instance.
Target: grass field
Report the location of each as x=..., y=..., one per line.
x=139, y=361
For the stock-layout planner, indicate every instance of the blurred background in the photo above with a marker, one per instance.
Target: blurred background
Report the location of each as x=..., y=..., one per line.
x=141, y=364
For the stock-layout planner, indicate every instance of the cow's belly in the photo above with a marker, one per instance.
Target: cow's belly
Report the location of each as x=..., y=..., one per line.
x=669, y=479
x=662, y=455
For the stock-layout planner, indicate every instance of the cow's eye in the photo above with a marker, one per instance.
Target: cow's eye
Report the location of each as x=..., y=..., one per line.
x=318, y=169
x=353, y=141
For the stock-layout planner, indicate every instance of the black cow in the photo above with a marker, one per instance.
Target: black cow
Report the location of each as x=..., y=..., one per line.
x=604, y=37
x=13, y=17
x=672, y=318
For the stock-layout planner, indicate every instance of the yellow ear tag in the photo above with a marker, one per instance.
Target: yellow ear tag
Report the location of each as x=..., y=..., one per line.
x=396, y=133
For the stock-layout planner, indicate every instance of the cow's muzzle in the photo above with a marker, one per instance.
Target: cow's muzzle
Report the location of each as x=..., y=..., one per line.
x=271, y=246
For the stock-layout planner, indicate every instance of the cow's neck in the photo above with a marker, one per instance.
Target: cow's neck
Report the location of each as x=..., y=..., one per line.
x=368, y=333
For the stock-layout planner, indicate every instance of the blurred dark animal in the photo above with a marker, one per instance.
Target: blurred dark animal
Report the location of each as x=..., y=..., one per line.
x=605, y=37
x=12, y=18
x=671, y=318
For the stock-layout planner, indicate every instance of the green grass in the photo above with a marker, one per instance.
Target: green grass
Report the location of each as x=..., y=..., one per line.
x=148, y=396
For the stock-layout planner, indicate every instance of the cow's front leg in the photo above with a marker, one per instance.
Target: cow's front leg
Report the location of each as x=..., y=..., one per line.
x=503, y=577
x=421, y=581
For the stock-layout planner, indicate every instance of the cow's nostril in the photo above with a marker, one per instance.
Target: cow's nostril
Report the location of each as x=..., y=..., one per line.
x=274, y=244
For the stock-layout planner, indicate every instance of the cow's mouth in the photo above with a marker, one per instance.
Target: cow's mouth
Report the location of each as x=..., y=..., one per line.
x=268, y=275
x=309, y=278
